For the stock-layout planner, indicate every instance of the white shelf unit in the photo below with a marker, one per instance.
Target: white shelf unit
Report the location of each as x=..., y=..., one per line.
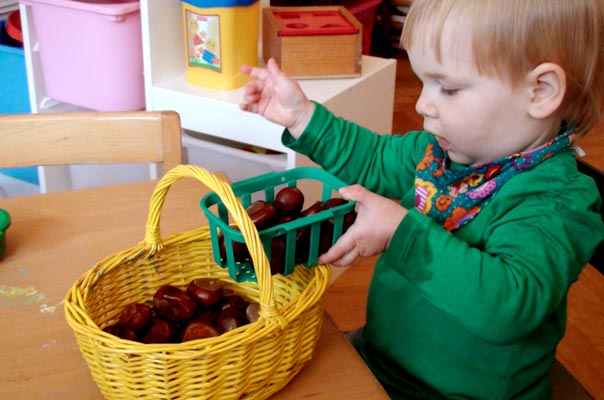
x=64, y=177
x=367, y=100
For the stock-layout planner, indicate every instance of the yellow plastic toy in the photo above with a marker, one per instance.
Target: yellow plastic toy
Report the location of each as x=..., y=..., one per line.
x=220, y=36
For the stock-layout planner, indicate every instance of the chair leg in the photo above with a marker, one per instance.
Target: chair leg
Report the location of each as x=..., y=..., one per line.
x=565, y=386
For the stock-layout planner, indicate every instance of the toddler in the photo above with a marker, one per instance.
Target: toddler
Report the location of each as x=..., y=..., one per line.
x=492, y=222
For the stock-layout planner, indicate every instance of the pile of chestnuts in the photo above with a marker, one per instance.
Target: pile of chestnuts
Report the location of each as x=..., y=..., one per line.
x=287, y=207
x=205, y=309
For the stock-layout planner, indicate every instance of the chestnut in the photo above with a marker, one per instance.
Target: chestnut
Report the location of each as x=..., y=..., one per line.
x=252, y=312
x=262, y=214
x=333, y=202
x=289, y=200
x=113, y=329
x=198, y=329
x=284, y=219
x=302, y=248
x=278, y=248
x=349, y=217
x=302, y=244
x=206, y=291
x=161, y=331
x=255, y=206
x=174, y=304
x=208, y=316
x=326, y=237
x=135, y=316
x=349, y=220
x=230, y=319
x=121, y=331
x=240, y=250
x=304, y=232
x=314, y=208
x=234, y=302
x=128, y=334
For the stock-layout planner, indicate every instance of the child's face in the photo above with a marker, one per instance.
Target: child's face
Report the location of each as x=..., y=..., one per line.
x=477, y=119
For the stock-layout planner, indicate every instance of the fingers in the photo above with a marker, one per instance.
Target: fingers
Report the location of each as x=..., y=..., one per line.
x=246, y=69
x=343, y=260
x=377, y=220
x=250, y=107
x=272, y=68
x=254, y=72
x=254, y=89
x=251, y=93
x=250, y=101
x=251, y=96
x=345, y=251
x=342, y=253
x=353, y=193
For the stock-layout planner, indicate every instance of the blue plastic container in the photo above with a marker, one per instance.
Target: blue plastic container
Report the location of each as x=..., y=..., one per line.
x=14, y=96
x=4, y=224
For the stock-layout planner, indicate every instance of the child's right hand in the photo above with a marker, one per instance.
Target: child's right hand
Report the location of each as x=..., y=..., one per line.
x=277, y=97
x=377, y=219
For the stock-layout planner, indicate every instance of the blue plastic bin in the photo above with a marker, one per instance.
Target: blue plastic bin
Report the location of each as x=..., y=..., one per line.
x=14, y=96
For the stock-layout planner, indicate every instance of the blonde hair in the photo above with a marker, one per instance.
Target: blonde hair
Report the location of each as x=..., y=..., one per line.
x=512, y=37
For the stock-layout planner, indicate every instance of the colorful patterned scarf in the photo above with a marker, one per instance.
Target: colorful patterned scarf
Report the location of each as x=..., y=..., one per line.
x=454, y=196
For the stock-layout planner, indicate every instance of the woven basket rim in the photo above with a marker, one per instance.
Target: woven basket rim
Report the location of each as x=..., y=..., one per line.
x=75, y=306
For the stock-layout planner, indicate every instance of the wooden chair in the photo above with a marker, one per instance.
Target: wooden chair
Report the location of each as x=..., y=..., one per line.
x=91, y=138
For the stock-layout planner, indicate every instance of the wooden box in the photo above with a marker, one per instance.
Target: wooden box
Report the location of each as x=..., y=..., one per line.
x=313, y=42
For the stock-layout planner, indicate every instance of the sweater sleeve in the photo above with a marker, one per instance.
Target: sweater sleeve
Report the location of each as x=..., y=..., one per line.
x=502, y=289
x=386, y=164
x=502, y=274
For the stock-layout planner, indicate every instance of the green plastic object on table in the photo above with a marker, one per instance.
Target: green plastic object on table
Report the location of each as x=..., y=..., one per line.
x=4, y=224
x=267, y=186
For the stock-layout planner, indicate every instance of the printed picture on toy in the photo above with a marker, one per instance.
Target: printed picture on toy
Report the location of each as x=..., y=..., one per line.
x=203, y=40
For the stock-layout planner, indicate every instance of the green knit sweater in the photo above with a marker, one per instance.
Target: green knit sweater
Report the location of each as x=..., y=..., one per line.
x=478, y=312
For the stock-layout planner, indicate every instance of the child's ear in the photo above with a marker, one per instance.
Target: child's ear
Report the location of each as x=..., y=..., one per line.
x=547, y=84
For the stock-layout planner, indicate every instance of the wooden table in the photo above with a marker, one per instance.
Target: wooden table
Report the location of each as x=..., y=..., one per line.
x=54, y=238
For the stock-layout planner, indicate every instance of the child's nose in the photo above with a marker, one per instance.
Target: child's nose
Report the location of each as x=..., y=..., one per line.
x=424, y=106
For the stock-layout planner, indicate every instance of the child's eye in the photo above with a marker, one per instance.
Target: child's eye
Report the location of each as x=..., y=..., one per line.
x=447, y=91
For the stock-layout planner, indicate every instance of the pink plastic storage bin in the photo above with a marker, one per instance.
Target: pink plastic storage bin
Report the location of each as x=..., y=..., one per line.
x=91, y=52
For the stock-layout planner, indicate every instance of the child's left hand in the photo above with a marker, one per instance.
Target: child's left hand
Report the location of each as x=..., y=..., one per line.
x=377, y=219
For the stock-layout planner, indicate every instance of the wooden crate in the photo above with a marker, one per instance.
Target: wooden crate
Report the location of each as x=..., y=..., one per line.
x=313, y=42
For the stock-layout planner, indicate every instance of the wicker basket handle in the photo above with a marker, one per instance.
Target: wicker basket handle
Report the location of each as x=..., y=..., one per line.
x=153, y=241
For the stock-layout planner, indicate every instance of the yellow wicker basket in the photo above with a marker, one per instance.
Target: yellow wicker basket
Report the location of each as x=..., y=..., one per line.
x=250, y=362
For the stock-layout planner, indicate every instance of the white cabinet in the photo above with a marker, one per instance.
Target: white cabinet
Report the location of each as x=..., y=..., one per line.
x=367, y=100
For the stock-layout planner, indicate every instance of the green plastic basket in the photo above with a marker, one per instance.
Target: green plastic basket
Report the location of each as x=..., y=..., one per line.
x=4, y=224
x=265, y=187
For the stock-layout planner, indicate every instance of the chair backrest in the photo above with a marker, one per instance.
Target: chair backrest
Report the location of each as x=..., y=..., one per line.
x=90, y=138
